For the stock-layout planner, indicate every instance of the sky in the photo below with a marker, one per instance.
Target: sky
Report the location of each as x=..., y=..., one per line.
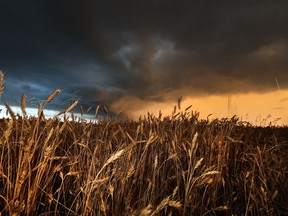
x=222, y=57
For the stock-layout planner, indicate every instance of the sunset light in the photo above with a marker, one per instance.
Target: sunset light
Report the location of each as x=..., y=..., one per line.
x=143, y=107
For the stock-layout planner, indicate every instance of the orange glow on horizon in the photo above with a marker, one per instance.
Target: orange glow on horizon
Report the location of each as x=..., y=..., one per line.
x=252, y=107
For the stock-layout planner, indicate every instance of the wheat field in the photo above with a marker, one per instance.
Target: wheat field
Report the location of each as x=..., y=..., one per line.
x=174, y=165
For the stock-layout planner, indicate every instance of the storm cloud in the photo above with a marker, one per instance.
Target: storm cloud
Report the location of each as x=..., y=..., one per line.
x=107, y=52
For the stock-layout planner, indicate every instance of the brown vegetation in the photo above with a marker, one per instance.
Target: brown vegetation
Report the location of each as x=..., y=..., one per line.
x=177, y=165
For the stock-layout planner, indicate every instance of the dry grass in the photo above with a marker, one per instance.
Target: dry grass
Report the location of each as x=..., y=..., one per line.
x=177, y=165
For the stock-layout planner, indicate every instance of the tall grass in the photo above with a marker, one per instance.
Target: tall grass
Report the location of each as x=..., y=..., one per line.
x=177, y=165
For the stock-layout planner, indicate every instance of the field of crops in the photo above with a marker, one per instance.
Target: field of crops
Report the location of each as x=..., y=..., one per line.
x=176, y=165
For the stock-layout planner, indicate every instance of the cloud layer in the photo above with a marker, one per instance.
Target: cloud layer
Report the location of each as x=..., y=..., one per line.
x=123, y=52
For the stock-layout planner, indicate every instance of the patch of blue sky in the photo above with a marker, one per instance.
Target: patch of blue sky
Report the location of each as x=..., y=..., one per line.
x=47, y=113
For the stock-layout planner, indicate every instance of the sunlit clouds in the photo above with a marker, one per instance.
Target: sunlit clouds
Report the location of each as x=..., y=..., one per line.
x=260, y=109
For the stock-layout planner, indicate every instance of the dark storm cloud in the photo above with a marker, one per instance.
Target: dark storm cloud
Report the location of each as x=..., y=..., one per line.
x=38, y=56
x=100, y=51
x=163, y=46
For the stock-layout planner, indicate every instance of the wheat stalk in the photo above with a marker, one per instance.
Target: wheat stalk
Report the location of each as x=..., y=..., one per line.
x=146, y=211
x=69, y=108
x=23, y=104
x=10, y=111
x=52, y=96
x=162, y=205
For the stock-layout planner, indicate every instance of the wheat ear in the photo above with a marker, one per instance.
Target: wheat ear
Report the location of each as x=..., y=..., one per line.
x=52, y=96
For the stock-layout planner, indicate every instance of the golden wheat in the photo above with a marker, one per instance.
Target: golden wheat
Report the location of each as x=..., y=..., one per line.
x=23, y=104
x=10, y=111
x=176, y=165
x=52, y=96
x=69, y=108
